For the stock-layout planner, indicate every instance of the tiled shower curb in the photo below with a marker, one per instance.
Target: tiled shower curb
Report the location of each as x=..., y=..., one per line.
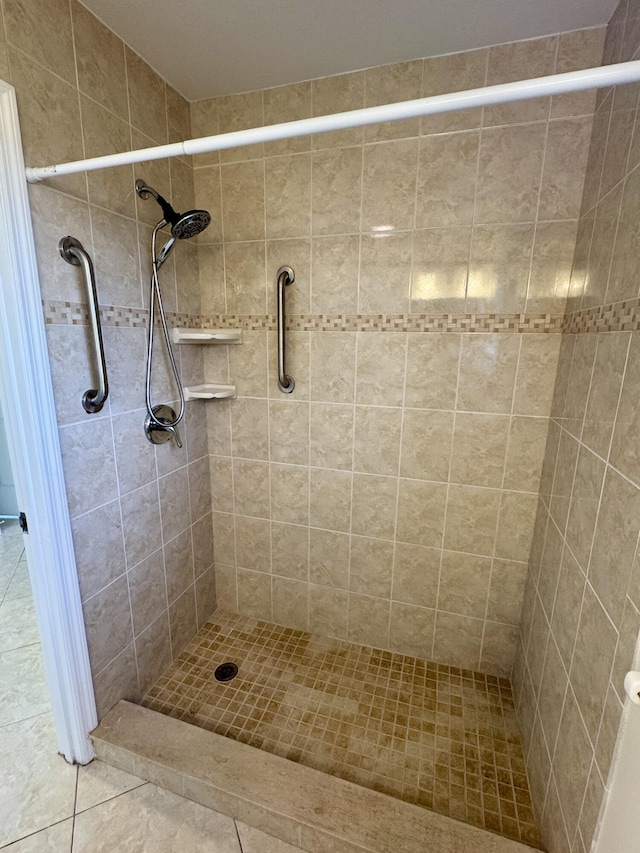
x=317, y=812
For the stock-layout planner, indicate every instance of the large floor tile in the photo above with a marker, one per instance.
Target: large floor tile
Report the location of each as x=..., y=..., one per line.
x=20, y=586
x=54, y=839
x=38, y=786
x=17, y=624
x=24, y=690
x=151, y=820
x=255, y=841
x=98, y=782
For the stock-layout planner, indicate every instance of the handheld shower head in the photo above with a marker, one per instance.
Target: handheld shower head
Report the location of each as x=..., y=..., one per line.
x=183, y=225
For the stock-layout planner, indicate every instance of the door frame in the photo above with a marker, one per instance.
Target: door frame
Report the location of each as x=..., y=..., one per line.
x=26, y=393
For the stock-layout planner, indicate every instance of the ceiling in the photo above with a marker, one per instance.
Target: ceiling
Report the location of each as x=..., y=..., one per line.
x=206, y=48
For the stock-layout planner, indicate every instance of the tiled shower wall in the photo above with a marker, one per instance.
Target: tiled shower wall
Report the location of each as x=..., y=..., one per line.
x=391, y=499
x=141, y=516
x=581, y=614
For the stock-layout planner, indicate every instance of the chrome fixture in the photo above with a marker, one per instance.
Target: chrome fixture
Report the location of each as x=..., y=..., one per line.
x=74, y=253
x=285, y=277
x=159, y=425
x=183, y=226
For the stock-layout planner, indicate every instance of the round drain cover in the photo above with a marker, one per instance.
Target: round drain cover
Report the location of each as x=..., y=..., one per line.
x=226, y=671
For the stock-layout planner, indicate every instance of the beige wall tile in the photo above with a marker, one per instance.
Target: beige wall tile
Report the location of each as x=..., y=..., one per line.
x=331, y=435
x=576, y=50
x=334, y=95
x=389, y=186
x=249, y=425
x=290, y=550
x=509, y=173
x=250, y=488
x=290, y=493
x=368, y=620
x=329, y=558
x=447, y=176
x=332, y=368
x=101, y=73
x=551, y=266
x=337, y=189
x=254, y=594
x=239, y=112
x=472, y=517
x=328, y=611
x=146, y=98
x=104, y=133
x=464, y=584
x=497, y=653
x=499, y=267
x=416, y=572
x=288, y=195
x=387, y=84
x=479, y=446
x=330, y=500
x=287, y=103
x=515, y=525
x=622, y=282
x=411, y=629
x=487, y=372
x=208, y=195
x=506, y=591
x=426, y=444
x=289, y=431
x=376, y=440
x=380, y=369
x=458, y=640
x=243, y=201
x=385, y=272
x=374, y=505
x=49, y=119
x=564, y=165
x=253, y=544
x=421, y=512
x=525, y=453
x=454, y=72
x=334, y=266
x=290, y=604
x=370, y=566
x=506, y=62
x=432, y=370
x=43, y=31
x=440, y=269
x=536, y=374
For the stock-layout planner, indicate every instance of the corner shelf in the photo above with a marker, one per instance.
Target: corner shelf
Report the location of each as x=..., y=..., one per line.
x=209, y=391
x=206, y=336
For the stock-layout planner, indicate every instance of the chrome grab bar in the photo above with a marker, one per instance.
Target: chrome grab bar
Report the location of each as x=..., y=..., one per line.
x=74, y=253
x=285, y=383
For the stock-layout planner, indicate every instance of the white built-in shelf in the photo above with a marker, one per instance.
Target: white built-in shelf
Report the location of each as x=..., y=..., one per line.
x=206, y=336
x=209, y=392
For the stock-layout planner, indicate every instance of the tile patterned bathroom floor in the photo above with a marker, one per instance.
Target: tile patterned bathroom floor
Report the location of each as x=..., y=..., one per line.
x=436, y=736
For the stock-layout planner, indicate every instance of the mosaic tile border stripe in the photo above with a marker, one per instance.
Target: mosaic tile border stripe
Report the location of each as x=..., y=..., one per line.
x=614, y=317
x=74, y=314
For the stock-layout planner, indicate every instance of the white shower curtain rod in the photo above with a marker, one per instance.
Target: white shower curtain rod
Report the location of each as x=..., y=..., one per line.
x=554, y=84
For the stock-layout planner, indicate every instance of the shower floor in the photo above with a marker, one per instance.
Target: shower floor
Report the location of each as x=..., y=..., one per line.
x=437, y=736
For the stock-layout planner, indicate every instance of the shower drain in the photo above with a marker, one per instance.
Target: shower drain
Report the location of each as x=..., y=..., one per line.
x=226, y=671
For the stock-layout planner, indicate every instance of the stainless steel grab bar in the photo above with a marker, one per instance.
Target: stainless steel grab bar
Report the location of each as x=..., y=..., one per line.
x=74, y=253
x=285, y=383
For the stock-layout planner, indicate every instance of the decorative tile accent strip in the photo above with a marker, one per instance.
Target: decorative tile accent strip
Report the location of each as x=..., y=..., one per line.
x=614, y=317
x=538, y=323
x=74, y=314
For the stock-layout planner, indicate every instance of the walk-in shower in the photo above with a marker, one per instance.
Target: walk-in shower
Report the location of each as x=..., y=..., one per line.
x=161, y=422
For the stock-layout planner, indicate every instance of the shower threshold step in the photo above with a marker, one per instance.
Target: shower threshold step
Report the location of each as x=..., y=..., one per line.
x=297, y=804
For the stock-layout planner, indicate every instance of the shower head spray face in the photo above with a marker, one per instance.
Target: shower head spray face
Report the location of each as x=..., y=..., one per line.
x=190, y=224
x=183, y=225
